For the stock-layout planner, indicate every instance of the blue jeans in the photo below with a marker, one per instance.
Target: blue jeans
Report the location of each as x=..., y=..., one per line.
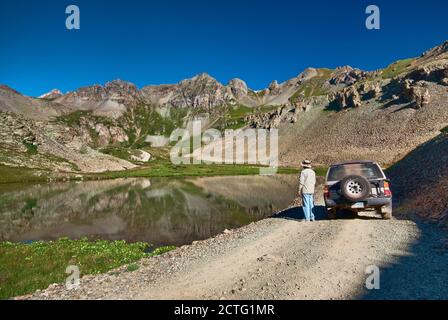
x=308, y=206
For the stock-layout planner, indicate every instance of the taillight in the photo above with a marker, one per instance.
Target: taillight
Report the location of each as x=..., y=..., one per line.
x=387, y=191
x=326, y=192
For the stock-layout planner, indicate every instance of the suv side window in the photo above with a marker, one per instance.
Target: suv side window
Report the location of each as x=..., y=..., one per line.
x=367, y=170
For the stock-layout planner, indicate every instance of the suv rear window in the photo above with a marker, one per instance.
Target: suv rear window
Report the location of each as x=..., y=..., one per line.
x=367, y=170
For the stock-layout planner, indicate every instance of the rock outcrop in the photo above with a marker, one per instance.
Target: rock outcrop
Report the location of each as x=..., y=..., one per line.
x=200, y=92
x=16, y=132
x=371, y=90
x=416, y=93
x=238, y=88
x=272, y=120
x=141, y=156
x=347, y=76
x=347, y=98
x=436, y=51
x=274, y=88
x=110, y=100
x=433, y=72
x=99, y=134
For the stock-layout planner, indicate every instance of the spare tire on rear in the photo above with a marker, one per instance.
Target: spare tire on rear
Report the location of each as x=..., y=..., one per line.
x=355, y=188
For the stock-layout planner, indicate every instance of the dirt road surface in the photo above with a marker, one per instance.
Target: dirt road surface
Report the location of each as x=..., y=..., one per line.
x=285, y=258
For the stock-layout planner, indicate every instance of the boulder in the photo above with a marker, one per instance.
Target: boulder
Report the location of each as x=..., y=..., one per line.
x=371, y=90
x=348, y=98
x=141, y=156
x=416, y=93
x=346, y=76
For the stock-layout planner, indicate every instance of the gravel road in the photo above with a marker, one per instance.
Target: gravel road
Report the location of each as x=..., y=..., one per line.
x=284, y=257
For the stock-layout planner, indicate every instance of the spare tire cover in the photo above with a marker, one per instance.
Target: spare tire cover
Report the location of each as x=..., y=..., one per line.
x=355, y=188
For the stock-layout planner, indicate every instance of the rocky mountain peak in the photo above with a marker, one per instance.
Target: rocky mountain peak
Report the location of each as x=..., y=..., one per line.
x=119, y=84
x=344, y=68
x=202, y=77
x=308, y=73
x=6, y=90
x=238, y=88
x=122, y=88
x=346, y=75
x=53, y=94
x=95, y=92
x=273, y=85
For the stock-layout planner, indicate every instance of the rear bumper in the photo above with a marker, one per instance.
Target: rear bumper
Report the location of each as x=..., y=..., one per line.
x=368, y=203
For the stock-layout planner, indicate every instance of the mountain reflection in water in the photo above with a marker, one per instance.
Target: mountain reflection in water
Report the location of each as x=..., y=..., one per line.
x=158, y=211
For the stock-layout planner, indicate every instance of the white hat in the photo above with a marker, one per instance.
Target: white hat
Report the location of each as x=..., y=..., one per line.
x=306, y=163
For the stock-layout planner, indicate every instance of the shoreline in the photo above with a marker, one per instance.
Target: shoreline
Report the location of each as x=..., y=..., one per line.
x=26, y=175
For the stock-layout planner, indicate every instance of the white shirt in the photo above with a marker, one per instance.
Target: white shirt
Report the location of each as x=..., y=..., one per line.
x=307, y=181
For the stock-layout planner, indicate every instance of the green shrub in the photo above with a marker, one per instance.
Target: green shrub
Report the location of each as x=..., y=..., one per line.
x=132, y=267
x=31, y=148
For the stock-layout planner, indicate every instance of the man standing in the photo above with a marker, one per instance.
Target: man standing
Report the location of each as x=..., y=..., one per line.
x=306, y=189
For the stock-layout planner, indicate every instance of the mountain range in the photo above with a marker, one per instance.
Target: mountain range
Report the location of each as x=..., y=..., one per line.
x=324, y=114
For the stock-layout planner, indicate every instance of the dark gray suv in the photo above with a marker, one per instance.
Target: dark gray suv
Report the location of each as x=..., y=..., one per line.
x=357, y=186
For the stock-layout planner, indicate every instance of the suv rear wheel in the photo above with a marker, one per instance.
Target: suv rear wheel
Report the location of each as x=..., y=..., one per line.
x=355, y=188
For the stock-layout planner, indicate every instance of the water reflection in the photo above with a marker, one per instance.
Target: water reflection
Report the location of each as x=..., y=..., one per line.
x=158, y=211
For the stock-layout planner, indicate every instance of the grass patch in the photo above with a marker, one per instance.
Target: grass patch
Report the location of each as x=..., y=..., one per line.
x=143, y=120
x=234, y=118
x=74, y=119
x=19, y=175
x=25, y=268
x=240, y=111
x=122, y=153
x=167, y=169
x=132, y=267
x=119, y=152
x=321, y=171
x=161, y=250
x=164, y=168
x=313, y=87
x=396, y=68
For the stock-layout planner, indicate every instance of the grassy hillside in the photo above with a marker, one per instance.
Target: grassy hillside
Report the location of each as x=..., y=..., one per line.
x=313, y=87
x=396, y=68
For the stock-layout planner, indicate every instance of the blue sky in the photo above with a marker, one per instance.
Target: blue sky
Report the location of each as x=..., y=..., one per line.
x=154, y=42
